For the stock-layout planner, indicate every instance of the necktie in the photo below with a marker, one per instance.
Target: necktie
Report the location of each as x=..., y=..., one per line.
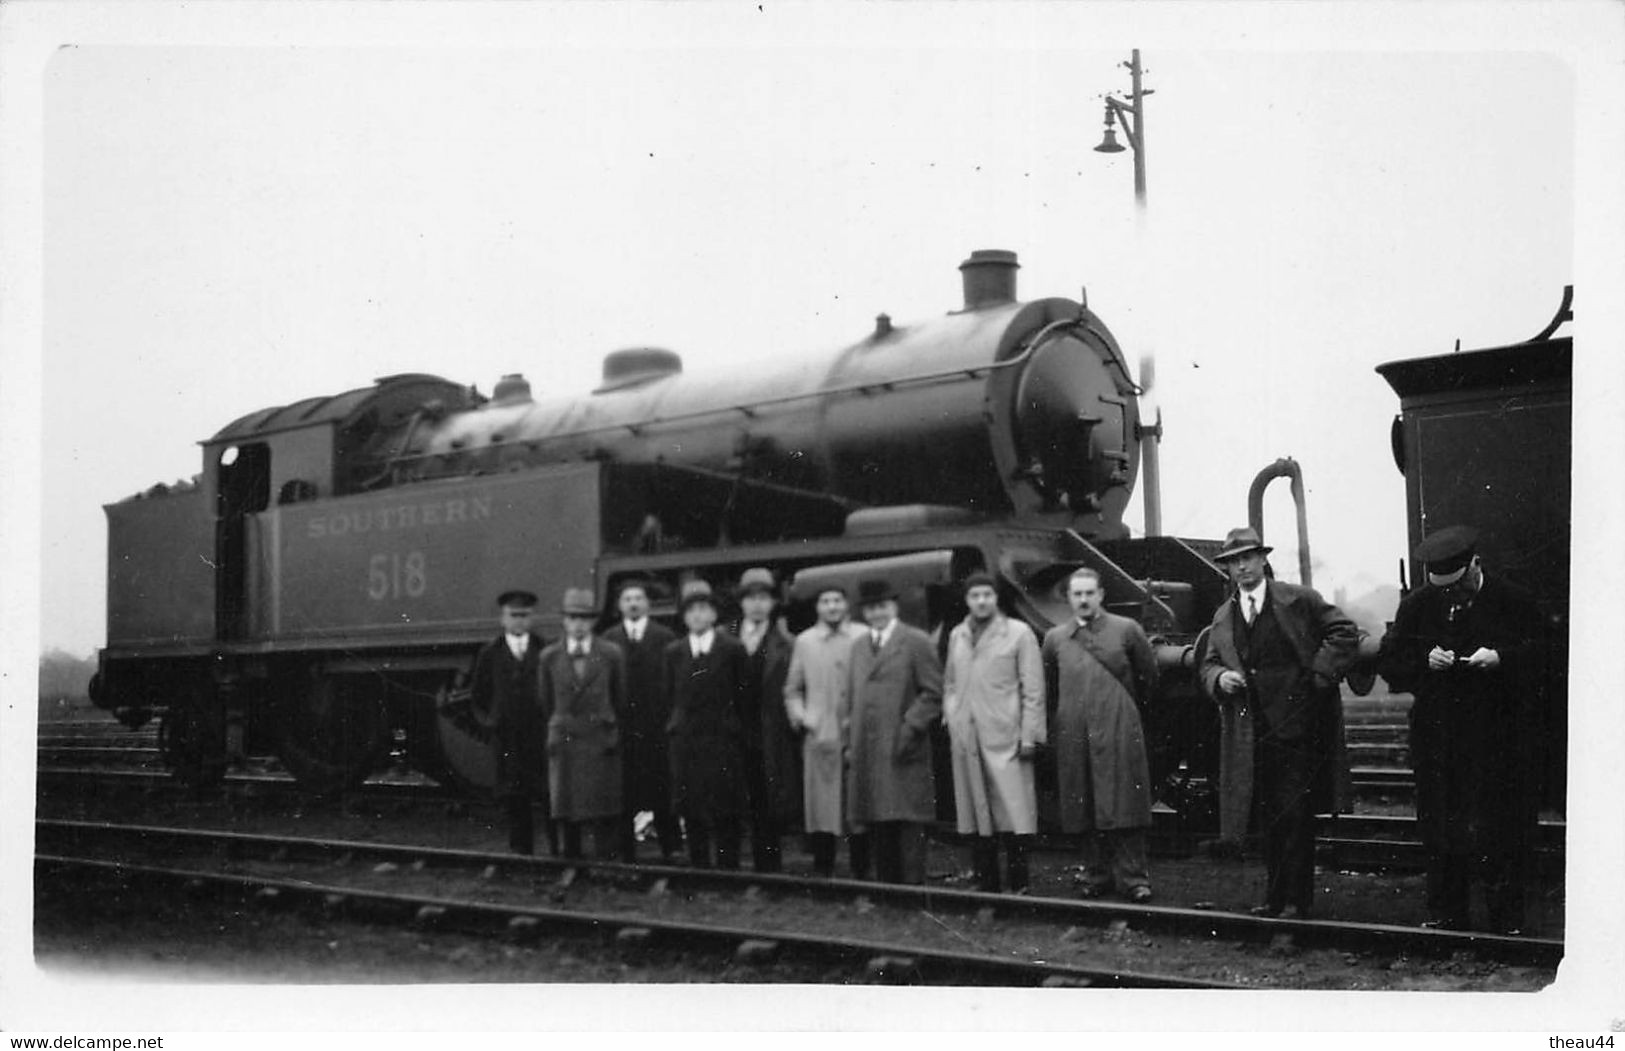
x=635, y=633
x=874, y=641
x=516, y=643
x=1252, y=608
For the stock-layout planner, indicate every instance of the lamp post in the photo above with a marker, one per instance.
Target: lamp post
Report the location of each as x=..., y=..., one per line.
x=1132, y=114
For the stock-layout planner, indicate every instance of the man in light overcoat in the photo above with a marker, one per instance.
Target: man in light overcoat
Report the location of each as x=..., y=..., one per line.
x=817, y=701
x=1274, y=658
x=993, y=705
x=583, y=700
x=896, y=697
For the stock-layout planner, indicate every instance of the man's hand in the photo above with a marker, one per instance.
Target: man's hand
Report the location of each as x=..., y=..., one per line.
x=1441, y=659
x=1232, y=681
x=1484, y=659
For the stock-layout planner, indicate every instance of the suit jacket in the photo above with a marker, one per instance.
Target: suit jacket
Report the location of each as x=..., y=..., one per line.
x=505, y=703
x=646, y=764
x=1297, y=702
x=896, y=696
x=706, y=728
x=584, y=715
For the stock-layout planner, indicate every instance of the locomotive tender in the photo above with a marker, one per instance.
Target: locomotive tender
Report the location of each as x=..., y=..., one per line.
x=319, y=591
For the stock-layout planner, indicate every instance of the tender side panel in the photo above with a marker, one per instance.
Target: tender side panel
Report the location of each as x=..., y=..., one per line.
x=160, y=573
x=427, y=561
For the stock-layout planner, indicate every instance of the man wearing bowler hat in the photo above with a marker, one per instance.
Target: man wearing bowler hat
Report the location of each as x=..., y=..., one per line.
x=583, y=698
x=896, y=689
x=505, y=702
x=646, y=765
x=1274, y=659
x=705, y=681
x=1467, y=646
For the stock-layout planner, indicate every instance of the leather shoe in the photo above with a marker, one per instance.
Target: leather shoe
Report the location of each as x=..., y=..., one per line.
x=1295, y=912
x=1265, y=910
x=1087, y=891
x=1443, y=923
x=1140, y=895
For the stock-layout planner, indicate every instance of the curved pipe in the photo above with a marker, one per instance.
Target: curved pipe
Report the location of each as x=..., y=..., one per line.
x=1287, y=467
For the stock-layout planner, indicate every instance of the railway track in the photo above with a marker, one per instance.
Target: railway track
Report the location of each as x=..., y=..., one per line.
x=643, y=896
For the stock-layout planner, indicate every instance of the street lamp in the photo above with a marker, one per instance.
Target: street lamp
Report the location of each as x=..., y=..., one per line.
x=1132, y=113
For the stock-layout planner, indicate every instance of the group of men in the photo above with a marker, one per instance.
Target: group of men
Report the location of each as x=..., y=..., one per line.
x=717, y=729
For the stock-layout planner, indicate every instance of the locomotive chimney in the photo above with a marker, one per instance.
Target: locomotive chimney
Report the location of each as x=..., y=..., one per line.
x=990, y=278
x=512, y=388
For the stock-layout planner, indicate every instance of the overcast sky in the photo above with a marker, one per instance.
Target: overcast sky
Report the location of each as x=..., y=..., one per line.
x=291, y=202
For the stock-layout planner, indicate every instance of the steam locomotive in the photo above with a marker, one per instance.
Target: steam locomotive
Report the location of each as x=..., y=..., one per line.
x=320, y=589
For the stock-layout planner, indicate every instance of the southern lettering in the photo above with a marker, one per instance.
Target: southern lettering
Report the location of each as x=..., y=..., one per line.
x=403, y=516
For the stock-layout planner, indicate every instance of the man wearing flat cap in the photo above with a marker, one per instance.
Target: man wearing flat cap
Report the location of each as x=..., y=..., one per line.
x=772, y=754
x=505, y=702
x=818, y=703
x=705, y=683
x=1275, y=656
x=583, y=699
x=646, y=765
x=993, y=705
x=896, y=688
x=1466, y=645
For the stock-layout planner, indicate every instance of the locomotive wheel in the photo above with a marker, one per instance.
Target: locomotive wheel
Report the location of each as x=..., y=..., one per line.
x=192, y=740
x=332, y=731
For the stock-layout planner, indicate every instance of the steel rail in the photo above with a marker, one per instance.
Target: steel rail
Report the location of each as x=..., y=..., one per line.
x=931, y=966
x=1166, y=919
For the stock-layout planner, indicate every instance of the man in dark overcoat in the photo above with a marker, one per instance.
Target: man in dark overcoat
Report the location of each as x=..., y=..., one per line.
x=1100, y=672
x=583, y=698
x=896, y=691
x=504, y=702
x=1276, y=654
x=705, y=682
x=646, y=766
x=1467, y=645
x=772, y=752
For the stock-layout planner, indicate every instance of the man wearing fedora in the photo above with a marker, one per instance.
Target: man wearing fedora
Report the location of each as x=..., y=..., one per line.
x=772, y=754
x=1099, y=669
x=993, y=705
x=1274, y=658
x=705, y=683
x=583, y=700
x=1467, y=646
x=646, y=765
x=818, y=702
x=504, y=702
x=896, y=688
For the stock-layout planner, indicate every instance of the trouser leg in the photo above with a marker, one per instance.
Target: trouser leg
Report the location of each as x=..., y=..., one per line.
x=911, y=853
x=1289, y=848
x=888, y=865
x=521, y=824
x=822, y=847
x=728, y=835
x=1097, y=856
x=699, y=843
x=1129, y=866
x=669, y=831
x=626, y=834
x=1503, y=889
x=570, y=838
x=860, y=854
x=985, y=858
x=1015, y=848
x=765, y=850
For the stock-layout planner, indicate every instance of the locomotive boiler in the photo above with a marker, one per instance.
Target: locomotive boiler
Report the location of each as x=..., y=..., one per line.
x=321, y=588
